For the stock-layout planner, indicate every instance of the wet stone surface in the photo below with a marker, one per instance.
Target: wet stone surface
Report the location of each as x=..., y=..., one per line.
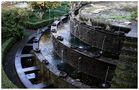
x=46, y=48
x=54, y=60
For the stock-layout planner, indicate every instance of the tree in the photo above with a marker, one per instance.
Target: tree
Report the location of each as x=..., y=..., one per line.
x=52, y=5
x=40, y=7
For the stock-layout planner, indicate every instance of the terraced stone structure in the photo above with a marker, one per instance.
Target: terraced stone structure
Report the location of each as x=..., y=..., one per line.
x=79, y=51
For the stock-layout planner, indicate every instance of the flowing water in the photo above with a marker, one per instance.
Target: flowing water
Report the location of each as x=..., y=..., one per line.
x=103, y=43
x=46, y=47
x=107, y=72
x=62, y=52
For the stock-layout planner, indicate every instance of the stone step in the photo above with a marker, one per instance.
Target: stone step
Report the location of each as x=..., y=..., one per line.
x=29, y=44
x=26, y=55
x=131, y=40
x=134, y=50
x=33, y=68
x=129, y=51
x=128, y=58
x=36, y=46
x=119, y=81
x=31, y=76
x=134, y=54
x=130, y=44
x=40, y=85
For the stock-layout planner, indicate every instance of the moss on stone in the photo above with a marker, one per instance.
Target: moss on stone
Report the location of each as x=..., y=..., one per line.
x=126, y=71
x=6, y=83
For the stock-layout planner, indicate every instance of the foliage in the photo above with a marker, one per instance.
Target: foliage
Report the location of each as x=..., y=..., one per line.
x=44, y=5
x=125, y=77
x=38, y=24
x=12, y=23
x=134, y=15
x=52, y=5
x=128, y=17
x=54, y=14
x=126, y=71
x=35, y=22
x=14, y=20
x=40, y=7
x=131, y=16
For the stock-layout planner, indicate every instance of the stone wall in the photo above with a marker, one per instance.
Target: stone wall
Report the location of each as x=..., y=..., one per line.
x=109, y=42
x=84, y=63
x=51, y=78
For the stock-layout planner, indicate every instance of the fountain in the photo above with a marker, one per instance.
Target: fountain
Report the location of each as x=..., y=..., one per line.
x=105, y=84
x=62, y=52
x=71, y=59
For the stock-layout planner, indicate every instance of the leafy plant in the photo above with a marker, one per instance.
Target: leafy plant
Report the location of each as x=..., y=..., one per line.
x=134, y=15
x=38, y=24
x=12, y=23
x=128, y=17
x=53, y=10
x=40, y=7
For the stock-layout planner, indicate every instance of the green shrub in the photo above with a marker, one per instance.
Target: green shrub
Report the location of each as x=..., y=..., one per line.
x=134, y=15
x=49, y=13
x=39, y=24
x=12, y=21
